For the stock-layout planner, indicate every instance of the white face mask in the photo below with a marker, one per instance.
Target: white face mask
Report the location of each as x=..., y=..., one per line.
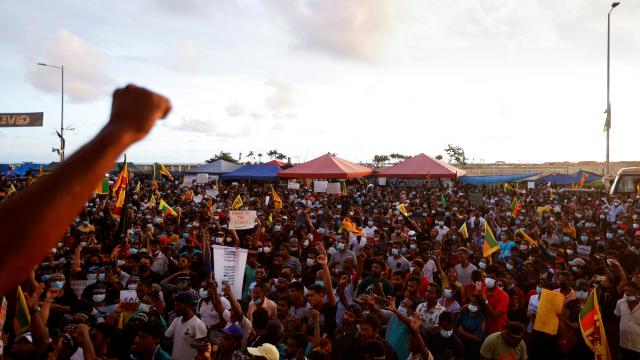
x=630, y=298
x=446, y=334
x=98, y=298
x=448, y=293
x=490, y=282
x=310, y=262
x=482, y=265
x=581, y=294
x=473, y=308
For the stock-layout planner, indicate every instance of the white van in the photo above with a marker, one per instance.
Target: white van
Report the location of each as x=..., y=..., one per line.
x=627, y=181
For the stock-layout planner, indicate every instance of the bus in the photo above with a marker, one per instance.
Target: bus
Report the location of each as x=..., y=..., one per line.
x=627, y=181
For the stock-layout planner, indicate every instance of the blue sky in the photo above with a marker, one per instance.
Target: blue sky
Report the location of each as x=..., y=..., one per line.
x=512, y=81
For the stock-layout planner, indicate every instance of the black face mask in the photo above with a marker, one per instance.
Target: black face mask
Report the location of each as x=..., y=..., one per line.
x=143, y=268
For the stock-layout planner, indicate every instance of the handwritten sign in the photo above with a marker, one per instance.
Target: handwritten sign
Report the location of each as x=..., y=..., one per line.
x=550, y=306
x=334, y=188
x=584, y=249
x=228, y=267
x=293, y=185
x=320, y=186
x=242, y=220
x=531, y=185
x=129, y=299
x=78, y=286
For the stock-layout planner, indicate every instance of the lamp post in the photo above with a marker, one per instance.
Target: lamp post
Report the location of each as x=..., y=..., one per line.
x=608, y=121
x=61, y=133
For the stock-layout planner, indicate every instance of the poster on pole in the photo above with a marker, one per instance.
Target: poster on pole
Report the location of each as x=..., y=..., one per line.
x=21, y=119
x=228, y=267
x=320, y=186
x=242, y=219
x=334, y=188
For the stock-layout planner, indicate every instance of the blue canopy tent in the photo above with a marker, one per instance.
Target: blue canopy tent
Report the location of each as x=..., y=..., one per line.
x=253, y=172
x=4, y=169
x=568, y=179
x=26, y=168
x=590, y=176
x=494, y=179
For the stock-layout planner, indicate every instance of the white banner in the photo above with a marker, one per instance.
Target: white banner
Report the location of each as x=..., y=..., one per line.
x=334, y=188
x=202, y=179
x=242, y=220
x=187, y=181
x=293, y=185
x=228, y=266
x=382, y=181
x=531, y=184
x=320, y=186
x=197, y=199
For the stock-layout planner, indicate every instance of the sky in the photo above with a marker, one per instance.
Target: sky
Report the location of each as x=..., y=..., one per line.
x=515, y=81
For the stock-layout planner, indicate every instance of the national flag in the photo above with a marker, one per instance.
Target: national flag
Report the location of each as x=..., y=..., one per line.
x=528, y=238
x=166, y=209
x=103, y=187
x=463, y=230
x=11, y=190
x=237, y=203
x=165, y=172
x=490, y=244
x=22, y=320
x=515, y=207
x=403, y=209
x=270, y=218
x=188, y=196
x=137, y=190
x=638, y=188
x=506, y=187
x=154, y=184
x=443, y=201
x=592, y=328
x=120, y=200
x=307, y=183
x=41, y=170
x=348, y=225
x=122, y=179
x=277, y=201
x=583, y=178
x=152, y=202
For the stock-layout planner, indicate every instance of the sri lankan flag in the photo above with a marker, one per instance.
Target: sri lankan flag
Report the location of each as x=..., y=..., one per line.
x=277, y=201
x=237, y=203
x=166, y=209
x=528, y=238
x=592, y=328
x=152, y=202
x=103, y=187
x=122, y=180
x=490, y=244
x=349, y=226
x=463, y=230
x=515, y=207
x=583, y=178
x=403, y=209
x=165, y=172
x=22, y=321
x=154, y=184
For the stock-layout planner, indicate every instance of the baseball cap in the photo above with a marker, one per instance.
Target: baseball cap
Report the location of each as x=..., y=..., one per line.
x=355, y=309
x=234, y=331
x=265, y=350
x=577, y=262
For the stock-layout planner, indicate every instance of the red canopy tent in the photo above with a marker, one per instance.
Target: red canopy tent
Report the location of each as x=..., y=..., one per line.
x=275, y=162
x=326, y=167
x=421, y=167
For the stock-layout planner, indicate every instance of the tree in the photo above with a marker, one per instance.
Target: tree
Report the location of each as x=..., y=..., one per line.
x=380, y=159
x=275, y=154
x=396, y=156
x=456, y=154
x=223, y=155
x=260, y=157
x=439, y=157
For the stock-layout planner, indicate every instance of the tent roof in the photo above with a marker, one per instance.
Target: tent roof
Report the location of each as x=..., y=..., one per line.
x=275, y=162
x=254, y=172
x=216, y=167
x=566, y=179
x=23, y=169
x=421, y=166
x=495, y=179
x=326, y=167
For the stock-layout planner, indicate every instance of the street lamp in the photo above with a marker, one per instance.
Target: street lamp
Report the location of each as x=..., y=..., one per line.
x=61, y=133
x=607, y=123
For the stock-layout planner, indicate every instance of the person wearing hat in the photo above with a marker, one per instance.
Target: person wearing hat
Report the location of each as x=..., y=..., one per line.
x=230, y=345
x=186, y=330
x=266, y=351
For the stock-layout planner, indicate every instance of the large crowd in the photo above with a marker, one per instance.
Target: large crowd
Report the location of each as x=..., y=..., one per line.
x=404, y=282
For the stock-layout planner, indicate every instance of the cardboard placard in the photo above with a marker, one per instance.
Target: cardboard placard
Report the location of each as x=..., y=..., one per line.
x=228, y=266
x=551, y=304
x=584, y=250
x=293, y=185
x=242, y=220
x=320, y=186
x=382, y=181
x=202, y=179
x=334, y=188
x=129, y=299
x=531, y=184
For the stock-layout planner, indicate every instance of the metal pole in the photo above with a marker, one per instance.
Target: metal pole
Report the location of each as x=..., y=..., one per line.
x=62, y=116
x=606, y=168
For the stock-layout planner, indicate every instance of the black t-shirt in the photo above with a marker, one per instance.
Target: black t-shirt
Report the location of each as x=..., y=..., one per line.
x=446, y=348
x=327, y=321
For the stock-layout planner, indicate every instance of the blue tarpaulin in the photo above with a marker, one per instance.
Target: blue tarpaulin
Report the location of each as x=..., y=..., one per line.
x=254, y=172
x=568, y=179
x=25, y=168
x=4, y=169
x=494, y=179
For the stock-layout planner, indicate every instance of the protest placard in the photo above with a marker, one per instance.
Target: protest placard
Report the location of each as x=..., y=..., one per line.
x=197, y=199
x=202, y=179
x=293, y=185
x=320, y=186
x=129, y=299
x=187, y=181
x=531, y=184
x=550, y=306
x=476, y=199
x=334, y=188
x=228, y=267
x=584, y=250
x=242, y=219
x=382, y=181
x=78, y=286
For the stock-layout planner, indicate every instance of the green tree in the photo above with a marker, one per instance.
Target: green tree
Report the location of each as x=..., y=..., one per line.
x=456, y=154
x=398, y=157
x=380, y=159
x=275, y=154
x=439, y=157
x=223, y=155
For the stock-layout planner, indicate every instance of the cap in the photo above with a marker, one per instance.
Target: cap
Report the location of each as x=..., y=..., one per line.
x=577, y=262
x=362, y=298
x=265, y=350
x=234, y=331
x=355, y=309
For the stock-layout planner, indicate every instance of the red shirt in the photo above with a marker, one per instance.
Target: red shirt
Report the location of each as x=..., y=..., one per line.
x=499, y=301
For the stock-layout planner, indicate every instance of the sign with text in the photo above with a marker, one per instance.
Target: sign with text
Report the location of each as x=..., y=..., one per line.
x=129, y=299
x=21, y=119
x=228, y=267
x=242, y=220
x=382, y=181
x=551, y=304
x=320, y=186
x=202, y=179
x=78, y=286
x=334, y=188
x=293, y=185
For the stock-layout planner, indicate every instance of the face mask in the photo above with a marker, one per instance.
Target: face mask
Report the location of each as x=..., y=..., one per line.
x=609, y=262
x=630, y=298
x=338, y=206
x=621, y=232
x=584, y=238
x=482, y=265
x=581, y=294
x=101, y=276
x=524, y=247
x=473, y=308
x=441, y=223
x=413, y=246
x=448, y=293
x=509, y=267
x=411, y=268
x=609, y=236
x=370, y=223
x=575, y=268
x=266, y=250
x=321, y=230
x=310, y=262
x=340, y=246
x=120, y=263
x=538, y=290
x=552, y=254
x=98, y=298
x=446, y=334
x=228, y=239
x=219, y=240
x=257, y=301
x=569, y=252
x=601, y=216
x=203, y=294
x=402, y=310
x=133, y=251
x=504, y=229
x=92, y=276
x=490, y=282
x=400, y=218
x=277, y=228
x=404, y=250
x=319, y=282
x=394, y=252
x=635, y=226
x=132, y=286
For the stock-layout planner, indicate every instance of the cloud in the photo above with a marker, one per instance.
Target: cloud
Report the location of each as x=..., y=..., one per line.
x=210, y=128
x=85, y=76
x=356, y=29
x=283, y=94
x=188, y=57
x=234, y=110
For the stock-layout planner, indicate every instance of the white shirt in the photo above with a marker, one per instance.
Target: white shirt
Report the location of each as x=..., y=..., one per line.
x=184, y=335
x=629, y=325
x=160, y=264
x=428, y=270
x=442, y=232
x=368, y=231
x=464, y=273
x=208, y=313
x=532, y=309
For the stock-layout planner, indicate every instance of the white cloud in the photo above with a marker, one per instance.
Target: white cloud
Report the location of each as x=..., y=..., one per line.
x=358, y=29
x=234, y=109
x=188, y=57
x=283, y=94
x=211, y=128
x=86, y=78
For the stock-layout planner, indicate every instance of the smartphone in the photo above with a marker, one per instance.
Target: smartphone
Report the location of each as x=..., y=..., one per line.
x=57, y=285
x=600, y=278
